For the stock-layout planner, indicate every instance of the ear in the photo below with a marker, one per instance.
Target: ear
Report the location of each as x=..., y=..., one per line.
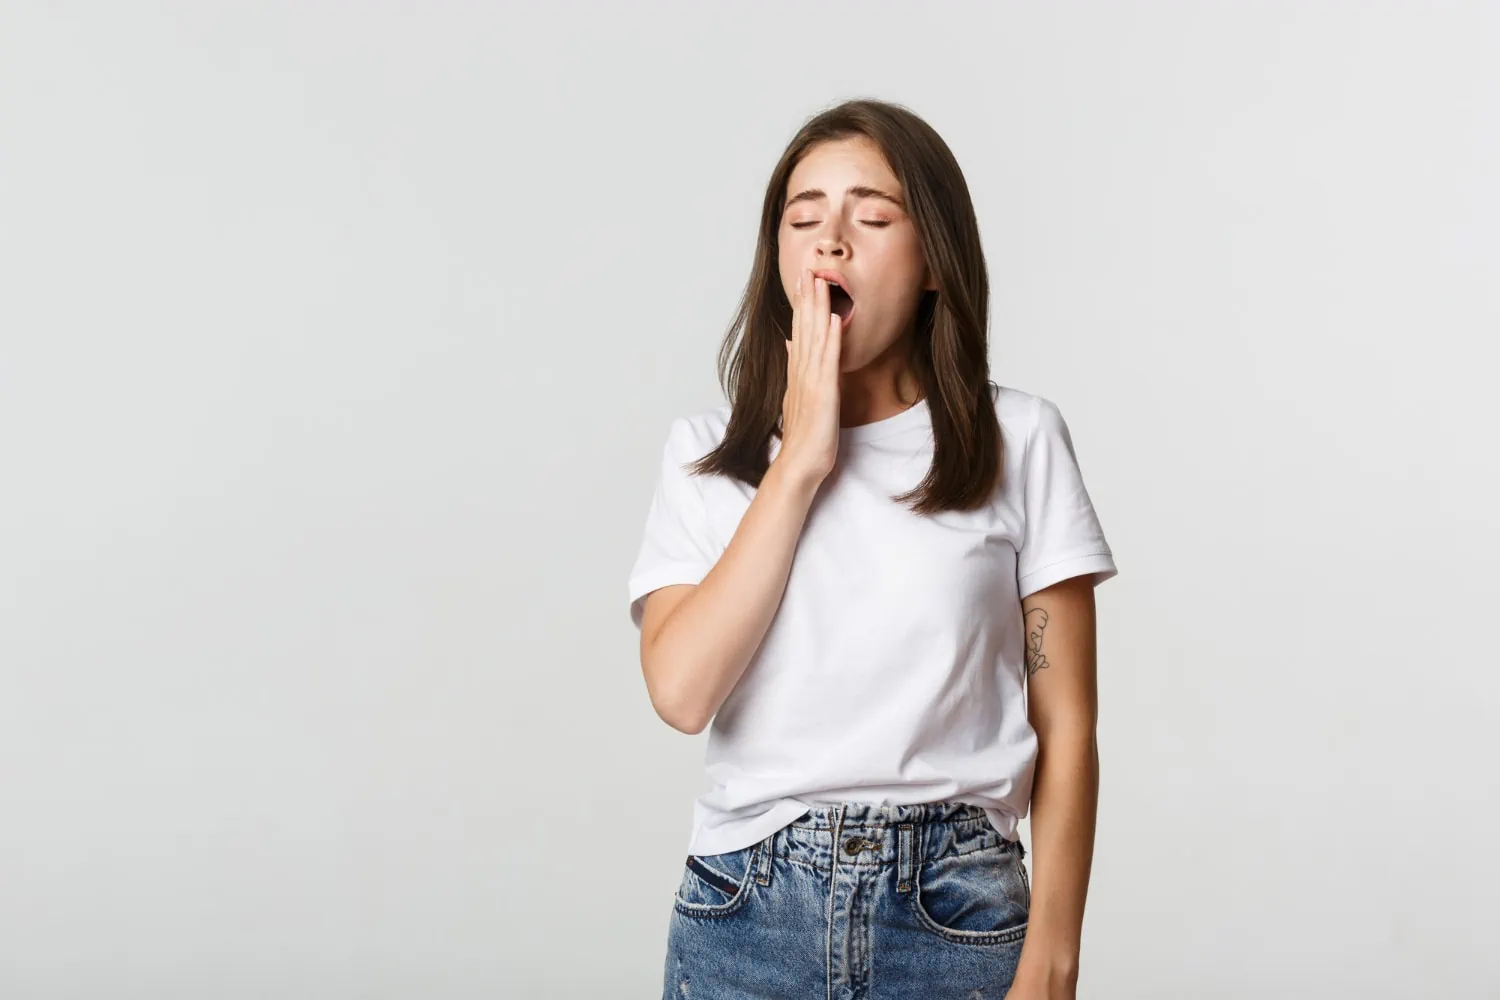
x=929, y=280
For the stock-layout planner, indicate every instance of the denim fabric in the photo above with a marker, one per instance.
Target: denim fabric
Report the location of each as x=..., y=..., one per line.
x=854, y=901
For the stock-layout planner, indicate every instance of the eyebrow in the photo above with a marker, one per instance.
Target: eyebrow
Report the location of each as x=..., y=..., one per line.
x=857, y=191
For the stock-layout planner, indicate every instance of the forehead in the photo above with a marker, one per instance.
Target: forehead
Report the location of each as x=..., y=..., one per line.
x=840, y=163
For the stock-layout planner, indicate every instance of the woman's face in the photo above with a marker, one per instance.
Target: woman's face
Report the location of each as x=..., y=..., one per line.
x=837, y=219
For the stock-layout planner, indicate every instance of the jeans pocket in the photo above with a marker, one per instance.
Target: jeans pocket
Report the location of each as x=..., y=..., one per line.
x=715, y=884
x=980, y=897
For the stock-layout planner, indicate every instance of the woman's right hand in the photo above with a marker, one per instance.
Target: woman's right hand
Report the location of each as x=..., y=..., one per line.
x=810, y=407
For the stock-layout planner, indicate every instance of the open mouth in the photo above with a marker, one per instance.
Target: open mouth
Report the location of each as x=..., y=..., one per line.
x=840, y=302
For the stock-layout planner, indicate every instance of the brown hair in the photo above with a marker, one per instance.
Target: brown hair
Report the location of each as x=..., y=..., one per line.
x=951, y=353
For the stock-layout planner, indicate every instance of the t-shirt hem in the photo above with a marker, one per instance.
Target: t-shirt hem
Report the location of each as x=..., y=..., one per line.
x=1100, y=563
x=746, y=832
x=1004, y=822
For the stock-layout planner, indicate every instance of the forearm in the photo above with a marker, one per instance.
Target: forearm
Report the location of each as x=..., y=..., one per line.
x=1064, y=808
x=697, y=656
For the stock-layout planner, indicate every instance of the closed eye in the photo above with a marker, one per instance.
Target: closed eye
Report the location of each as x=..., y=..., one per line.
x=866, y=222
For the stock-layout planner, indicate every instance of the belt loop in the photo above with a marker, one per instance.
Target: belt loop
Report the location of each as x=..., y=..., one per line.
x=765, y=849
x=904, y=858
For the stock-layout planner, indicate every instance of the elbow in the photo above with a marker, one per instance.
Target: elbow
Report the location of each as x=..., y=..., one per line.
x=688, y=725
x=673, y=705
x=681, y=717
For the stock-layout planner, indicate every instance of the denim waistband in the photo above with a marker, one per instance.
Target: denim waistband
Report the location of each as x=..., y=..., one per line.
x=869, y=834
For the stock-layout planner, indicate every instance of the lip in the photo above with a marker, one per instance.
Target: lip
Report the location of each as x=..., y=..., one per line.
x=836, y=278
x=843, y=282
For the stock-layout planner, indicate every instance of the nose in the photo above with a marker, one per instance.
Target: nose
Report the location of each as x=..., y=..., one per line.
x=832, y=248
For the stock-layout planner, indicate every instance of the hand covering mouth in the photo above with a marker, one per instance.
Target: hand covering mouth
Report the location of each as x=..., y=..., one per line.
x=840, y=301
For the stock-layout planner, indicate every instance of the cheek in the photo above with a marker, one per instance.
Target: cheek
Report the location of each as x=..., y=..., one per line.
x=786, y=267
x=902, y=271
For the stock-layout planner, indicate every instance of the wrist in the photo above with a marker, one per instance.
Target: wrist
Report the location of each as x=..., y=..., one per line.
x=1052, y=964
x=786, y=475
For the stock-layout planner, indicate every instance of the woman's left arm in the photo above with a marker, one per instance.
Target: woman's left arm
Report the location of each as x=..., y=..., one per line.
x=1061, y=660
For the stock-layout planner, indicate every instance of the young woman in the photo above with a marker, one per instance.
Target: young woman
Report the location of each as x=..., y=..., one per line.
x=855, y=571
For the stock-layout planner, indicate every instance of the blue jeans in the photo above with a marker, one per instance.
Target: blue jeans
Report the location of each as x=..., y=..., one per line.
x=854, y=901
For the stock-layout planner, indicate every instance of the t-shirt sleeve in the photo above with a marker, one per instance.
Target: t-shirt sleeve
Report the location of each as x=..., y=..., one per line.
x=677, y=545
x=1062, y=537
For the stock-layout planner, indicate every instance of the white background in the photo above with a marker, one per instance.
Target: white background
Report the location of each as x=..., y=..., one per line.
x=338, y=344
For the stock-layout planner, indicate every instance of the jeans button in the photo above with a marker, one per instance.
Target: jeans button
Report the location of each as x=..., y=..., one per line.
x=853, y=845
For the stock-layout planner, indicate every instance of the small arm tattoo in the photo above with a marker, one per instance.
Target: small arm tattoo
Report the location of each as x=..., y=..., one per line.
x=1036, y=621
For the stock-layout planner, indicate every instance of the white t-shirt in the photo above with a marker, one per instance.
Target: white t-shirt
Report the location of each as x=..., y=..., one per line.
x=894, y=669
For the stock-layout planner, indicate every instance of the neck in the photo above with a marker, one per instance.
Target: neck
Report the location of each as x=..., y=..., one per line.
x=881, y=389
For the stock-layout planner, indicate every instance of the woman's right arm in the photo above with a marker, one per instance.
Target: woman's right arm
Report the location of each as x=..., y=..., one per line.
x=697, y=639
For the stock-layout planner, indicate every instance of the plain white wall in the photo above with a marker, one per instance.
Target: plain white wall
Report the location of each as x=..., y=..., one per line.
x=338, y=343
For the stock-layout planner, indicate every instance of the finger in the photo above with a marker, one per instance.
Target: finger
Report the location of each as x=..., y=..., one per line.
x=821, y=309
x=834, y=344
x=794, y=345
x=816, y=323
x=799, y=309
x=795, y=300
x=804, y=329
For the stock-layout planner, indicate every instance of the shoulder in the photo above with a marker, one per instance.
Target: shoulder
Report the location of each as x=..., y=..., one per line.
x=1020, y=412
x=693, y=435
